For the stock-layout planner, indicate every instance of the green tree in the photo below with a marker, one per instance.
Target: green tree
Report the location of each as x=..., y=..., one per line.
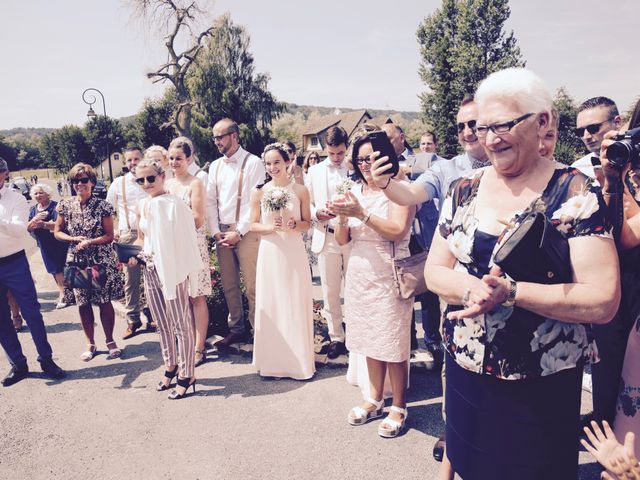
x=66, y=146
x=104, y=135
x=569, y=146
x=178, y=20
x=152, y=125
x=224, y=83
x=8, y=153
x=460, y=44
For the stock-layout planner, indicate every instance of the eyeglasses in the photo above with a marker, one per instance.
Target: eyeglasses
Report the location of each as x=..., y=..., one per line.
x=148, y=178
x=361, y=160
x=220, y=137
x=592, y=129
x=82, y=180
x=500, y=128
x=471, y=124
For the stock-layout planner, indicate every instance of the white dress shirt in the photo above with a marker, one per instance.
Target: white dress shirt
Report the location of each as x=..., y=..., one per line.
x=222, y=190
x=134, y=194
x=194, y=169
x=14, y=212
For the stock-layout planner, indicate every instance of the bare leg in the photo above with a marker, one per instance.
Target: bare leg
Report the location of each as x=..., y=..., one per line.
x=108, y=319
x=86, y=317
x=201, y=315
x=59, y=278
x=377, y=371
x=446, y=470
x=398, y=372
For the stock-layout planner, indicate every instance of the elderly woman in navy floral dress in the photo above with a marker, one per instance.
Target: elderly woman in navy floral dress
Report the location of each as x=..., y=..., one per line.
x=515, y=349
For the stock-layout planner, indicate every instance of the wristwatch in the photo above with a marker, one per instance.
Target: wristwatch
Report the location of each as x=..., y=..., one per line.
x=238, y=232
x=511, y=298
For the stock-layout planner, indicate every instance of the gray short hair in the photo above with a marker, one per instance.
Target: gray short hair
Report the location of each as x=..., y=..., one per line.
x=520, y=85
x=3, y=165
x=45, y=188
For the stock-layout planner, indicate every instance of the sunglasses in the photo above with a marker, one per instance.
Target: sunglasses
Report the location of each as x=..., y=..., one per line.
x=220, y=137
x=471, y=124
x=148, y=178
x=500, y=128
x=82, y=180
x=289, y=151
x=592, y=129
x=361, y=160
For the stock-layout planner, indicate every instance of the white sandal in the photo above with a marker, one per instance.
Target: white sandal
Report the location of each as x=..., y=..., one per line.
x=89, y=354
x=114, y=352
x=360, y=416
x=390, y=428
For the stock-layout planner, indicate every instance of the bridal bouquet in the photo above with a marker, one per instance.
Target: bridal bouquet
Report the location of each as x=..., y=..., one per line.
x=276, y=199
x=344, y=186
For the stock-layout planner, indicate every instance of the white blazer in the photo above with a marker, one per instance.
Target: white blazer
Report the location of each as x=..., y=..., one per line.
x=318, y=184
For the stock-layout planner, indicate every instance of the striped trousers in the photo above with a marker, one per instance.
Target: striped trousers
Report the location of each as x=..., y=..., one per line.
x=175, y=324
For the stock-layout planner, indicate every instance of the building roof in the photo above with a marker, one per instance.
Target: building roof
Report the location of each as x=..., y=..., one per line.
x=349, y=121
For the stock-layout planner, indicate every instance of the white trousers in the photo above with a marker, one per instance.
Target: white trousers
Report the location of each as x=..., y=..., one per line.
x=332, y=263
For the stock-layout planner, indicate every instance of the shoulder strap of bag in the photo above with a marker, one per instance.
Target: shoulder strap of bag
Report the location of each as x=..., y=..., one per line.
x=240, y=180
x=124, y=200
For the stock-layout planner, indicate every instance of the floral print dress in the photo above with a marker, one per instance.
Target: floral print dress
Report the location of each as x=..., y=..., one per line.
x=86, y=220
x=509, y=342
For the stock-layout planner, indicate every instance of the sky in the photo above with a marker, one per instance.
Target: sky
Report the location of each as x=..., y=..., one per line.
x=337, y=53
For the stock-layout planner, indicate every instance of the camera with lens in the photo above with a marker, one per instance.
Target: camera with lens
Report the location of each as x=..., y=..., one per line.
x=625, y=149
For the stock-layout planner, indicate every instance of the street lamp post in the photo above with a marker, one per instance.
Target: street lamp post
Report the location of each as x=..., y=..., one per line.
x=90, y=99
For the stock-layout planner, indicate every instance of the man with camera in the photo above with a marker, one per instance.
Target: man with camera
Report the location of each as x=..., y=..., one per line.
x=596, y=117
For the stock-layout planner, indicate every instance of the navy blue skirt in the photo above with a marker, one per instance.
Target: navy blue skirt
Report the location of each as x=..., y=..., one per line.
x=512, y=429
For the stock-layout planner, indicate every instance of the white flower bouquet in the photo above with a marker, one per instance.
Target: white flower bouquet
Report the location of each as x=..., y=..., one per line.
x=344, y=186
x=276, y=198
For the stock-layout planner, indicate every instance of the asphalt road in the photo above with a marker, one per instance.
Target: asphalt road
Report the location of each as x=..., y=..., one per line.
x=106, y=420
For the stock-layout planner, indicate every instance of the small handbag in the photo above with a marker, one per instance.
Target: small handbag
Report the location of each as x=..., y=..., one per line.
x=84, y=274
x=408, y=273
x=536, y=252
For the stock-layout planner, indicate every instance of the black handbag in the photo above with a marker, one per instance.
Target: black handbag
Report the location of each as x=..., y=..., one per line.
x=84, y=274
x=536, y=252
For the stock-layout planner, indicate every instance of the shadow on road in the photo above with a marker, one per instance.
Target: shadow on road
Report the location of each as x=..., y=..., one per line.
x=252, y=385
x=63, y=327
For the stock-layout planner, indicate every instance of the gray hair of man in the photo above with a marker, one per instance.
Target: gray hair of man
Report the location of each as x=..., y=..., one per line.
x=3, y=165
x=45, y=188
x=518, y=85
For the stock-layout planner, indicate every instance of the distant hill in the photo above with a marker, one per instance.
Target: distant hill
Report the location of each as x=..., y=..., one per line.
x=307, y=109
x=36, y=133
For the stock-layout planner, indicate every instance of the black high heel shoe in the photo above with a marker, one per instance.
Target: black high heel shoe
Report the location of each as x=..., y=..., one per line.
x=168, y=374
x=185, y=383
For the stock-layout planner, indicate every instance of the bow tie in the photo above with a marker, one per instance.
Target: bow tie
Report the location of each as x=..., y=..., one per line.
x=401, y=158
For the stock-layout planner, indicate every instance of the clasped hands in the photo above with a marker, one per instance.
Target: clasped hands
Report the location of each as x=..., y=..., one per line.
x=227, y=239
x=347, y=206
x=483, y=295
x=278, y=223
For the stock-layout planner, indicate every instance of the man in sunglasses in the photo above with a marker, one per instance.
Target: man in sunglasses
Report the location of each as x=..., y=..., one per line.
x=596, y=116
x=16, y=276
x=124, y=194
x=231, y=179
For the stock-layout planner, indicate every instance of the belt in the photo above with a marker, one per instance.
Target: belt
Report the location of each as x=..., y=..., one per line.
x=330, y=230
x=13, y=256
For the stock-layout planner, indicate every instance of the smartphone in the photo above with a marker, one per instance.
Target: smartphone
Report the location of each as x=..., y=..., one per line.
x=380, y=143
